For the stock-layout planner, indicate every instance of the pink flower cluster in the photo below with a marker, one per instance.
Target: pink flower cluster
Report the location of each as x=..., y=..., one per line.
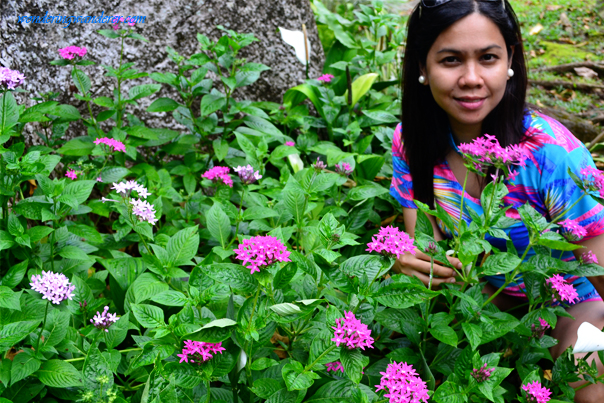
x=71, y=51
x=334, y=366
x=486, y=150
x=389, y=241
x=10, y=79
x=535, y=393
x=593, y=179
x=589, y=258
x=319, y=165
x=126, y=187
x=403, y=384
x=199, y=351
x=219, y=173
x=118, y=18
x=103, y=320
x=482, y=374
x=352, y=333
x=54, y=287
x=565, y=291
x=247, y=174
x=290, y=143
x=115, y=144
x=539, y=331
x=144, y=210
x=71, y=174
x=572, y=231
x=343, y=168
x=325, y=78
x=261, y=251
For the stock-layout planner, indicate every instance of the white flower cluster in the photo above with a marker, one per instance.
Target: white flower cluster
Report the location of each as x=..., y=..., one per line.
x=125, y=187
x=144, y=210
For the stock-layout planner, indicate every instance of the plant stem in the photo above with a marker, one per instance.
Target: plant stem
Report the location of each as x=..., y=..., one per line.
x=586, y=384
x=209, y=399
x=42, y=329
x=566, y=210
x=238, y=218
x=431, y=271
x=119, y=89
x=329, y=350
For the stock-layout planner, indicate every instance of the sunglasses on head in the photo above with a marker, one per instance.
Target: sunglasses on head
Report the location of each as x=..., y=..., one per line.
x=436, y=3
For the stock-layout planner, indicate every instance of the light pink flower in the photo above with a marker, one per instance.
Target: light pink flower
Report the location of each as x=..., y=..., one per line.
x=334, y=366
x=343, y=168
x=403, y=384
x=115, y=144
x=572, y=231
x=72, y=174
x=144, y=210
x=564, y=290
x=589, y=258
x=390, y=241
x=10, y=79
x=126, y=187
x=71, y=51
x=482, y=374
x=99, y=179
x=247, y=174
x=593, y=180
x=54, y=287
x=261, y=251
x=319, y=165
x=325, y=78
x=217, y=174
x=198, y=351
x=103, y=320
x=535, y=393
x=350, y=332
x=539, y=330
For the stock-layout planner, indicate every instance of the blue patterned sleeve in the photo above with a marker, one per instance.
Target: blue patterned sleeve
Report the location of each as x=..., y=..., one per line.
x=401, y=187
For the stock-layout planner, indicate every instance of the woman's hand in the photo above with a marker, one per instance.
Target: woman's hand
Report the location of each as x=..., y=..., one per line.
x=418, y=265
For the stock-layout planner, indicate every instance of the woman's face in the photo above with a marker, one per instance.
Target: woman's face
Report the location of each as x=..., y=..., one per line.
x=466, y=70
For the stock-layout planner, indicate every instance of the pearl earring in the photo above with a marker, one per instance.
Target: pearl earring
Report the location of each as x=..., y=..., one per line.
x=510, y=73
x=422, y=79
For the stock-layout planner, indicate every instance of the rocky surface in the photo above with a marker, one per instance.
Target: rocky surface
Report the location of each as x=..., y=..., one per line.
x=30, y=47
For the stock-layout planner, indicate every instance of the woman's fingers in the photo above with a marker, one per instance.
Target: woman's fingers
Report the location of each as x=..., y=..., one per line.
x=426, y=278
x=419, y=264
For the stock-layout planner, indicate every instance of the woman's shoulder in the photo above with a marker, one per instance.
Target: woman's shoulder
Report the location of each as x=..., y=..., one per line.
x=546, y=134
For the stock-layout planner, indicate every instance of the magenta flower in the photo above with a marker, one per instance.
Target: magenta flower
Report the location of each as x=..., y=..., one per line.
x=572, y=231
x=72, y=174
x=217, y=174
x=343, y=168
x=261, y=251
x=199, y=351
x=325, y=78
x=103, y=320
x=539, y=331
x=290, y=143
x=482, y=374
x=350, y=332
x=486, y=150
x=112, y=143
x=588, y=258
x=334, y=366
x=54, y=287
x=144, y=210
x=389, y=241
x=562, y=290
x=535, y=393
x=126, y=187
x=10, y=79
x=593, y=180
x=319, y=165
x=247, y=174
x=403, y=384
x=71, y=51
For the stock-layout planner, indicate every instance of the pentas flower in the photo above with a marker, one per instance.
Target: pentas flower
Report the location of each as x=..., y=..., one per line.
x=588, y=258
x=334, y=366
x=247, y=174
x=343, y=168
x=539, y=331
x=402, y=384
x=217, y=174
x=319, y=165
x=144, y=210
x=115, y=144
x=71, y=174
x=10, y=79
x=261, y=251
x=99, y=179
x=572, y=231
x=103, y=320
x=562, y=290
x=482, y=374
x=290, y=143
x=325, y=78
x=54, y=287
x=126, y=187
x=535, y=393
x=593, y=180
x=486, y=150
x=430, y=249
x=350, y=332
x=392, y=242
x=71, y=51
x=198, y=351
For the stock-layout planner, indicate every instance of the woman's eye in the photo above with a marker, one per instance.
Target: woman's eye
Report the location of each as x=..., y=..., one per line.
x=489, y=57
x=450, y=59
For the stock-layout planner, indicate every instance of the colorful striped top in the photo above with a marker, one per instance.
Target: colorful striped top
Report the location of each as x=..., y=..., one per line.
x=544, y=183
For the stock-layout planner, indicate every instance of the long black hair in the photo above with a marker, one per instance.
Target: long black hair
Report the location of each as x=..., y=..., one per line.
x=425, y=123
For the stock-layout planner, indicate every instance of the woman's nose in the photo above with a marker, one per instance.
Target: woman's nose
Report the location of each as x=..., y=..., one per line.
x=470, y=76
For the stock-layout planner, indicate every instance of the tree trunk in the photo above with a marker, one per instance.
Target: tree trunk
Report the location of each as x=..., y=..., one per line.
x=600, y=8
x=29, y=47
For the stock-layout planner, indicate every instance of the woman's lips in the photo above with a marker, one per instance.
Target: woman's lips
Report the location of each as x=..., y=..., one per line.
x=469, y=103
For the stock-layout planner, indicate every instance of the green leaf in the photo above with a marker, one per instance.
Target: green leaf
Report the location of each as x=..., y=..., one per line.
x=59, y=374
x=6, y=239
x=210, y=103
x=450, y=392
x=295, y=378
x=56, y=327
x=13, y=333
x=259, y=213
x=73, y=252
x=381, y=116
x=163, y=105
x=81, y=81
x=104, y=101
x=38, y=233
x=67, y=113
x=263, y=363
x=77, y=147
x=404, y=295
x=117, y=331
x=141, y=91
x=556, y=241
x=294, y=204
x=285, y=309
x=360, y=86
x=216, y=331
x=76, y=193
x=234, y=276
x=124, y=270
x=500, y=263
x=9, y=113
x=352, y=361
x=265, y=387
x=444, y=334
x=148, y=316
x=9, y=299
x=170, y=298
x=297, y=94
x=366, y=192
x=182, y=246
x=473, y=333
x=24, y=364
x=109, y=33
x=219, y=224
x=113, y=174
x=15, y=274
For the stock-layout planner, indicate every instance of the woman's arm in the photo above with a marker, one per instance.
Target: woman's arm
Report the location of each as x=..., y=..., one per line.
x=596, y=245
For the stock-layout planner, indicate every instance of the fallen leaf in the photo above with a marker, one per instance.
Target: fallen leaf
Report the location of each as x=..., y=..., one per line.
x=536, y=29
x=565, y=20
x=547, y=374
x=586, y=72
x=553, y=8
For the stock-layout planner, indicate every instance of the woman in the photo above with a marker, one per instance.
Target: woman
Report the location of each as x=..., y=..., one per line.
x=464, y=76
